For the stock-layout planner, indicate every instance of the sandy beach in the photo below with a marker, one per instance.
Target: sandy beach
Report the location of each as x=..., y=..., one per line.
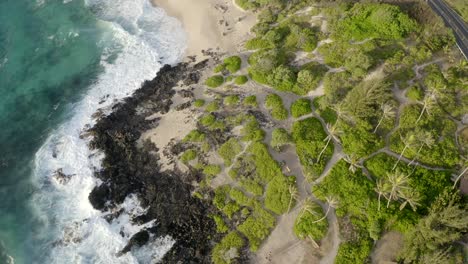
x=215, y=24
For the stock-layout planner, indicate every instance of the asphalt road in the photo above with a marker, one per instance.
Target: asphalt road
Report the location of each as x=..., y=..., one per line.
x=454, y=21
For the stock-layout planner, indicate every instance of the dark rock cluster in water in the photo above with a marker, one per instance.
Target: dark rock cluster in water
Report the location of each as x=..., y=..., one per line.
x=129, y=168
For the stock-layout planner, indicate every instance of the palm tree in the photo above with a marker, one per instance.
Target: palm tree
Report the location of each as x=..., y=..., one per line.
x=399, y=183
x=294, y=195
x=309, y=207
x=332, y=203
x=463, y=171
x=387, y=112
x=410, y=197
x=425, y=139
x=333, y=133
x=409, y=142
x=342, y=114
x=353, y=162
x=428, y=103
x=382, y=188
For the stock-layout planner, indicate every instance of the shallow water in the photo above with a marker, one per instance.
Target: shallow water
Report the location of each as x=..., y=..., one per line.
x=59, y=62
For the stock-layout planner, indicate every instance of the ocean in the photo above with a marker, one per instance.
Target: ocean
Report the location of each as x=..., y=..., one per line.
x=61, y=61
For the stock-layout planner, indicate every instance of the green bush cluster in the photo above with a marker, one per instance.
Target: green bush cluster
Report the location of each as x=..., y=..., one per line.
x=306, y=225
x=252, y=131
x=199, y=103
x=229, y=150
x=227, y=250
x=241, y=80
x=221, y=226
x=369, y=20
x=210, y=121
x=223, y=201
x=194, y=136
x=211, y=170
x=278, y=197
x=251, y=101
x=252, y=186
x=309, y=137
x=301, y=107
x=188, y=155
x=279, y=138
x=231, y=100
x=257, y=227
x=274, y=103
x=213, y=106
x=233, y=63
x=214, y=81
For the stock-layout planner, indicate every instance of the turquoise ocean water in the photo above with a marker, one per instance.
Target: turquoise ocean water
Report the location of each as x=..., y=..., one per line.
x=59, y=62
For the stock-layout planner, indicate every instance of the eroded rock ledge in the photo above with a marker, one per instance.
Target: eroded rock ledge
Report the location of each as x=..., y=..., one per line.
x=129, y=168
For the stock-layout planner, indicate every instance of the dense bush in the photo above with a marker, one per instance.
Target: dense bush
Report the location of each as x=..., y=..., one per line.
x=221, y=226
x=231, y=100
x=301, y=107
x=240, y=80
x=250, y=101
x=309, y=137
x=199, y=103
x=228, y=249
x=214, y=81
x=233, y=63
x=306, y=224
x=211, y=169
x=194, y=136
x=210, y=121
x=274, y=103
x=279, y=138
x=257, y=227
x=188, y=155
x=278, y=198
x=266, y=167
x=263, y=62
x=213, y=106
x=374, y=21
x=252, y=131
x=229, y=150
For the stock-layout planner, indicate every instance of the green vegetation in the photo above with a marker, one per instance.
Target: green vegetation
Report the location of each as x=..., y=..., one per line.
x=199, y=103
x=227, y=250
x=250, y=101
x=274, y=103
x=211, y=170
x=214, y=81
x=188, y=155
x=279, y=194
x=364, y=21
x=213, y=106
x=310, y=140
x=229, y=150
x=257, y=227
x=221, y=226
x=231, y=100
x=311, y=222
x=212, y=123
x=252, y=131
x=233, y=63
x=194, y=136
x=301, y=107
x=279, y=138
x=241, y=80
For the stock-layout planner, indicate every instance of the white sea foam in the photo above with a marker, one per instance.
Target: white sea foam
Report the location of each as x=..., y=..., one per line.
x=144, y=36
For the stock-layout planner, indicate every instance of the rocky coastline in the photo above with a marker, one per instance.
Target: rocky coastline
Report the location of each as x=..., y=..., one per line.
x=131, y=167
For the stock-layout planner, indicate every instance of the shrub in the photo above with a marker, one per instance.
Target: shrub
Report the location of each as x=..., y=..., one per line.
x=274, y=103
x=240, y=197
x=278, y=196
x=304, y=227
x=211, y=170
x=266, y=168
x=252, y=131
x=212, y=106
x=240, y=80
x=221, y=226
x=279, y=138
x=199, y=103
x=214, y=81
x=257, y=227
x=415, y=93
x=252, y=186
x=309, y=137
x=188, y=155
x=228, y=249
x=283, y=78
x=194, y=136
x=229, y=150
x=258, y=43
x=233, y=63
x=231, y=100
x=250, y=101
x=301, y=107
x=219, y=68
x=211, y=122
